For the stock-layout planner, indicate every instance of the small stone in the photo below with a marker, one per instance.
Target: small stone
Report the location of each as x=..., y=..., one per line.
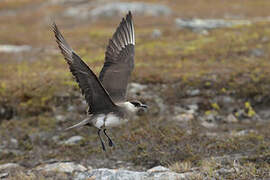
x=231, y=119
x=208, y=125
x=14, y=143
x=179, y=109
x=200, y=25
x=157, y=173
x=66, y=167
x=71, y=108
x=3, y=175
x=243, y=132
x=184, y=117
x=210, y=118
x=194, y=92
x=55, y=138
x=135, y=88
x=9, y=166
x=13, y=48
x=158, y=169
x=257, y=52
x=73, y=140
x=60, y=118
x=156, y=33
x=223, y=171
x=119, y=8
x=116, y=9
x=264, y=113
x=193, y=108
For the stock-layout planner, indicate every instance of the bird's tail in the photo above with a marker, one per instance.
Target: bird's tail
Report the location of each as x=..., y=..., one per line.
x=80, y=124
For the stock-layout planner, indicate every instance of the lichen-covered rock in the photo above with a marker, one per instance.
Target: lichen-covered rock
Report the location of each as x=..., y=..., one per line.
x=198, y=25
x=73, y=140
x=111, y=10
x=13, y=48
x=66, y=167
x=157, y=173
x=9, y=166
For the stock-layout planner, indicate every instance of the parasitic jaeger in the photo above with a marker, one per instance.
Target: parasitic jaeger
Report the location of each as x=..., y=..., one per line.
x=106, y=95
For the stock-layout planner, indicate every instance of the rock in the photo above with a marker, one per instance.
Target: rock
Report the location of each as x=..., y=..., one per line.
x=224, y=172
x=156, y=34
x=157, y=173
x=66, y=167
x=231, y=119
x=257, y=52
x=9, y=166
x=198, y=25
x=210, y=118
x=14, y=143
x=158, y=169
x=120, y=8
x=14, y=49
x=73, y=140
x=55, y=138
x=111, y=10
x=243, y=132
x=208, y=125
x=193, y=108
x=184, y=117
x=60, y=118
x=227, y=103
x=264, y=113
x=77, y=12
x=3, y=175
x=71, y=108
x=104, y=173
x=136, y=88
x=209, y=121
x=179, y=110
x=194, y=92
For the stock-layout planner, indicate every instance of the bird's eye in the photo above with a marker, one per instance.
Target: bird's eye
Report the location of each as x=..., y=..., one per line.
x=136, y=104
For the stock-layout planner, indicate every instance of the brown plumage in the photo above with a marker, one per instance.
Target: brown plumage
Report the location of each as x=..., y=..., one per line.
x=106, y=95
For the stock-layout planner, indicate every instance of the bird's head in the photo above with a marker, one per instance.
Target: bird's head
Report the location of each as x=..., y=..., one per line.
x=139, y=107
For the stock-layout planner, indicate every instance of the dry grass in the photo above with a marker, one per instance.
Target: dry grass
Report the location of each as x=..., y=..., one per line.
x=36, y=84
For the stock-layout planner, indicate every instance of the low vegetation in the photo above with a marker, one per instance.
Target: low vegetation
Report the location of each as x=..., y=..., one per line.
x=35, y=86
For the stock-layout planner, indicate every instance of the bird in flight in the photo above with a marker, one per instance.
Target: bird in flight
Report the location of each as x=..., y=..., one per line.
x=106, y=95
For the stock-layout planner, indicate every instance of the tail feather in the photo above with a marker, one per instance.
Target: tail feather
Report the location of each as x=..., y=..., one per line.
x=80, y=124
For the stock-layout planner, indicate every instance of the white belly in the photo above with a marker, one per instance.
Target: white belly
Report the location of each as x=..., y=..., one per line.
x=99, y=121
x=112, y=121
x=109, y=120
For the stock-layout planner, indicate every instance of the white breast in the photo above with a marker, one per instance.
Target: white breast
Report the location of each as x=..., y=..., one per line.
x=112, y=120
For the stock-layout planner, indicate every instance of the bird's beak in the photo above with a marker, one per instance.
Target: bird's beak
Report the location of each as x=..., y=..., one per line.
x=144, y=106
x=143, y=109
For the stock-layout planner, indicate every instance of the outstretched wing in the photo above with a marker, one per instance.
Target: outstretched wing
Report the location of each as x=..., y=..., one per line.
x=96, y=96
x=119, y=60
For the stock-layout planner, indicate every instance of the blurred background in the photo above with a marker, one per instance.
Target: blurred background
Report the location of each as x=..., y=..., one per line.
x=201, y=65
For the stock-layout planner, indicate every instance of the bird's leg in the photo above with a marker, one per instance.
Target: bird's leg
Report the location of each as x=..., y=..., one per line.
x=110, y=141
x=103, y=147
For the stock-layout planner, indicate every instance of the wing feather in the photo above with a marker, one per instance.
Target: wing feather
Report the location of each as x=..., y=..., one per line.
x=95, y=94
x=119, y=60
